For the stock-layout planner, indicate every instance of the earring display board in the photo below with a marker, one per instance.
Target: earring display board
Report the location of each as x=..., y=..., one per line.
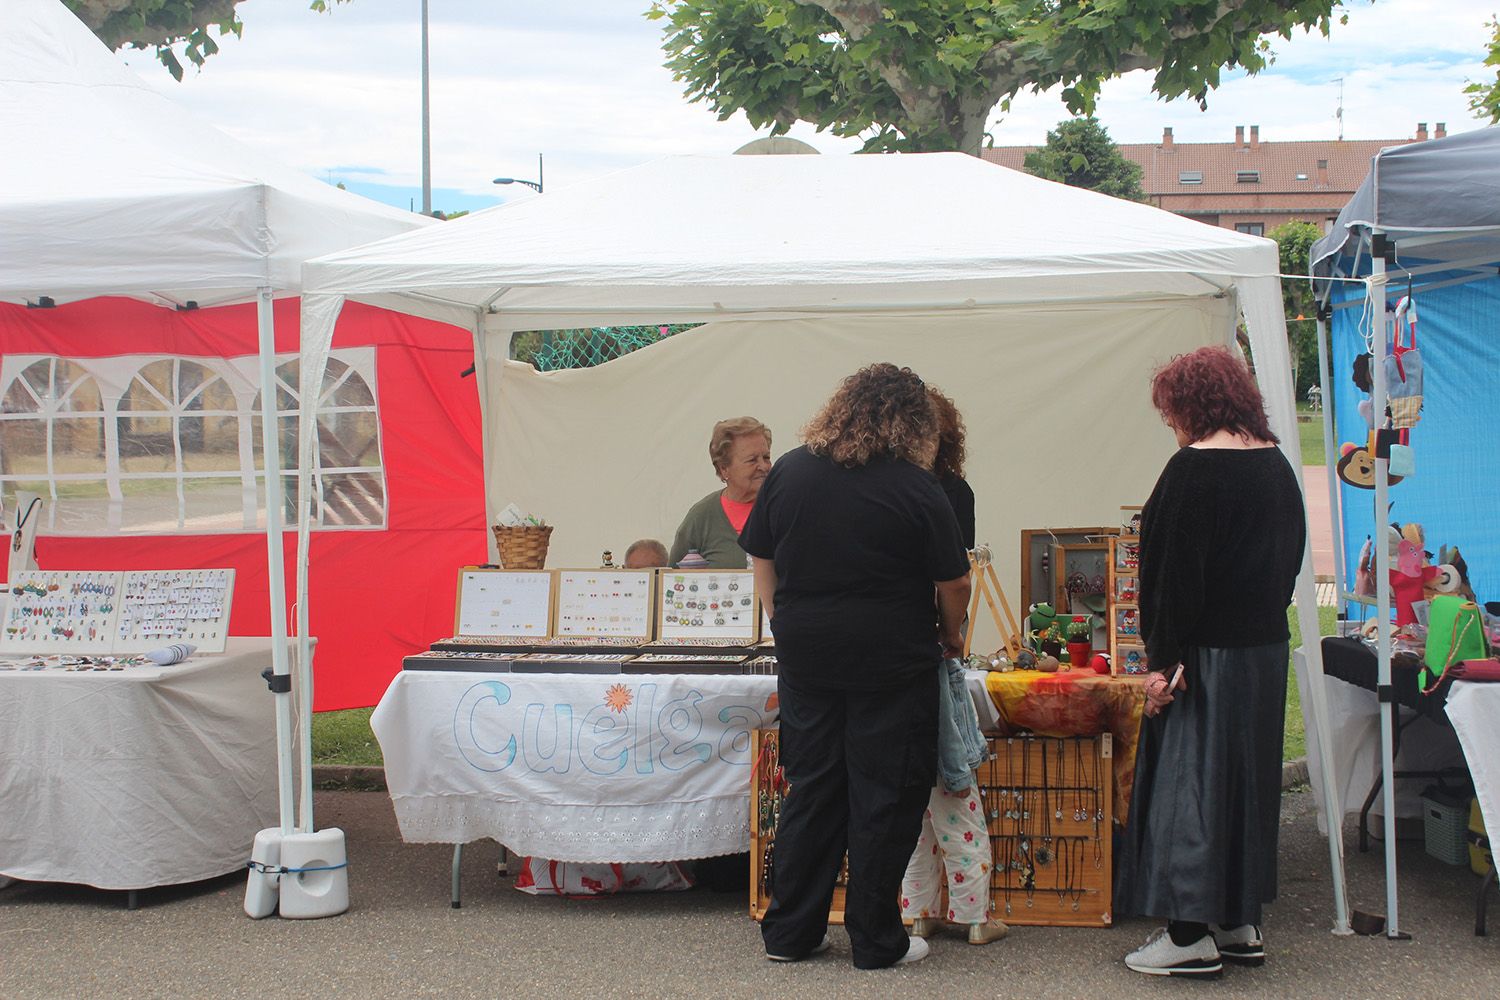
x=504, y=602
x=707, y=607
x=160, y=607
x=62, y=611
x=1127, y=650
x=98, y=612
x=606, y=604
x=1040, y=578
x=1049, y=807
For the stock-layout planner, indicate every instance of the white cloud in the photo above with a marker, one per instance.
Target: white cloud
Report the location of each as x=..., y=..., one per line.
x=583, y=82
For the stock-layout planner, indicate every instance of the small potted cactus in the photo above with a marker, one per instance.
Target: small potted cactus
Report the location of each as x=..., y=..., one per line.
x=1080, y=633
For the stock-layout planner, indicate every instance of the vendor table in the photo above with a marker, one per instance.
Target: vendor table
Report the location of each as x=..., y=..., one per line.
x=575, y=767
x=1353, y=662
x=1076, y=703
x=141, y=777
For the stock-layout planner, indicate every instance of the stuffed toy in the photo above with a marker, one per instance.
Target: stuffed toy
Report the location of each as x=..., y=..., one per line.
x=1364, y=576
x=1357, y=467
x=1042, y=618
x=1412, y=574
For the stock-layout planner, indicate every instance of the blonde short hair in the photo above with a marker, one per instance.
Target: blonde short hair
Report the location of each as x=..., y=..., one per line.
x=726, y=431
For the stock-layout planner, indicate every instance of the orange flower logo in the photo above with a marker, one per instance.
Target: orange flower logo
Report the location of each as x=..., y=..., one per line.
x=617, y=697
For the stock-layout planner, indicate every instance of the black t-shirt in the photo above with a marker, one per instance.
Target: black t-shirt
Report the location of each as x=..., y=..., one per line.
x=857, y=552
x=961, y=496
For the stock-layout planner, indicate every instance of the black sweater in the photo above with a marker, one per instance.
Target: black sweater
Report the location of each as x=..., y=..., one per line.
x=1222, y=539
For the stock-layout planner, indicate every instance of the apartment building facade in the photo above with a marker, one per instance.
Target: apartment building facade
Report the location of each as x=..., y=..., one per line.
x=1248, y=185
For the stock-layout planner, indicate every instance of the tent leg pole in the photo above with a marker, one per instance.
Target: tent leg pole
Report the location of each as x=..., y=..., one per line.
x=275, y=571
x=1330, y=462
x=1376, y=298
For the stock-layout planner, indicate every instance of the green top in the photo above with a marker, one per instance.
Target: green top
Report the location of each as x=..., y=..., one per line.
x=706, y=528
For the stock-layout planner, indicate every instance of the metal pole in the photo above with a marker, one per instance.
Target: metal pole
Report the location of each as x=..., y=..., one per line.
x=1330, y=459
x=275, y=571
x=539, y=173
x=1376, y=297
x=426, y=125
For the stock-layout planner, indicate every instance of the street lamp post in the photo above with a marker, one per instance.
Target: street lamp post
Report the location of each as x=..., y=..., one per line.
x=426, y=125
x=535, y=185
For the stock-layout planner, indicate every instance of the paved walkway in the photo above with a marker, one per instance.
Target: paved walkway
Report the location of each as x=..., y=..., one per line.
x=402, y=940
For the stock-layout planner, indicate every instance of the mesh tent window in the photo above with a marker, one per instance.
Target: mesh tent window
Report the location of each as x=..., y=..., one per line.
x=154, y=444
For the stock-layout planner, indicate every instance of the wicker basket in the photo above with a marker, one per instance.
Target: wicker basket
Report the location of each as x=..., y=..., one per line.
x=524, y=547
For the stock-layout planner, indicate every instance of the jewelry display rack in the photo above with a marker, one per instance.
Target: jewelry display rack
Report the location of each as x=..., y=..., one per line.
x=1048, y=805
x=768, y=787
x=1127, y=650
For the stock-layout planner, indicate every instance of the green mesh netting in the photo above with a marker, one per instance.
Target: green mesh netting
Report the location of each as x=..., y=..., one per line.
x=553, y=350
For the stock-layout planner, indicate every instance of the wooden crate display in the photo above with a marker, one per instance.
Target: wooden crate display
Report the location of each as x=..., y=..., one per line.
x=767, y=788
x=1049, y=811
x=1036, y=886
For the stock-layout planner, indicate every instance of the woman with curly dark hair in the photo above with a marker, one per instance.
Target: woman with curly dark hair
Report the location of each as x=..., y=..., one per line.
x=1222, y=540
x=849, y=536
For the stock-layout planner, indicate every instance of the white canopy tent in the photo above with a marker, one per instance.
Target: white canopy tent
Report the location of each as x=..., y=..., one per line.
x=108, y=188
x=780, y=251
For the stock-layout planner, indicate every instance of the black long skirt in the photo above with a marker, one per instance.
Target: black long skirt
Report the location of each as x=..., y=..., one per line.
x=1200, y=844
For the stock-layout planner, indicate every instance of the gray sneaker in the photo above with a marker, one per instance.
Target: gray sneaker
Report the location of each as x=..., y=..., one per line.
x=1160, y=957
x=818, y=949
x=1241, y=945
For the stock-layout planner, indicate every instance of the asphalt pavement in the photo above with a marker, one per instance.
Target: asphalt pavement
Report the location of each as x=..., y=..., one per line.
x=401, y=939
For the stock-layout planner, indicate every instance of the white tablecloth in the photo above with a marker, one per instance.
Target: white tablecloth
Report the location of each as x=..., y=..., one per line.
x=1354, y=716
x=574, y=767
x=1474, y=710
x=137, y=778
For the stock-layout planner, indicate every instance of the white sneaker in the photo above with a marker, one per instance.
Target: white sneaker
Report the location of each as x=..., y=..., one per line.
x=1160, y=957
x=818, y=949
x=916, y=950
x=1241, y=945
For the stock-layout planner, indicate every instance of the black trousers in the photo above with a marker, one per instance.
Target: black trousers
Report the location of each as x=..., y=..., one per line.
x=861, y=765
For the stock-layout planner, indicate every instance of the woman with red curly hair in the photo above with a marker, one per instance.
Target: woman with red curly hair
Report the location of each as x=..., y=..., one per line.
x=1222, y=539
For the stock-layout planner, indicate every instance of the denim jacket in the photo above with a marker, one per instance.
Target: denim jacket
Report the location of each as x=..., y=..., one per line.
x=961, y=747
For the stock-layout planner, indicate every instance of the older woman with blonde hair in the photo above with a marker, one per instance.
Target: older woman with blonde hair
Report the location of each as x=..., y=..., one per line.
x=849, y=536
x=740, y=449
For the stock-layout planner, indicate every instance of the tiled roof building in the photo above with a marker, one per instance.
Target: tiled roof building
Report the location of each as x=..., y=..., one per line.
x=1247, y=185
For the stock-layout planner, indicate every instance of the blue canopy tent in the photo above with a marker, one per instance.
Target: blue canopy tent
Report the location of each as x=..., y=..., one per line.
x=1425, y=225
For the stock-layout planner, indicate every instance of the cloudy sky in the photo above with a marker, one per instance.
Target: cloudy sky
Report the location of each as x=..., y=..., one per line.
x=581, y=81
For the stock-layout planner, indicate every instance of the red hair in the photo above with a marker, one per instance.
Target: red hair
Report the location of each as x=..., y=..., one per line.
x=1210, y=390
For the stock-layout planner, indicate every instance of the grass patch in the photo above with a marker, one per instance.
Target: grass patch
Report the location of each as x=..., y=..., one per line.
x=1294, y=744
x=1310, y=433
x=345, y=738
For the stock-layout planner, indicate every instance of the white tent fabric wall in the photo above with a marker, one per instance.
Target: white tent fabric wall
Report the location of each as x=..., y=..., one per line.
x=703, y=239
x=1060, y=425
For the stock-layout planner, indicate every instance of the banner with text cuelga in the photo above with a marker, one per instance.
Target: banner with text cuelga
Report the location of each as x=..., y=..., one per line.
x=575, y=767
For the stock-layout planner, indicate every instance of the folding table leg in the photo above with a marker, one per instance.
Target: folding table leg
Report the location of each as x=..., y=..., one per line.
x=458, y=856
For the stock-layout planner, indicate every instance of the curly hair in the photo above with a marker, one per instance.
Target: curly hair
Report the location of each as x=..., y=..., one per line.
x=949, y=461
x=726, y=432
x=1210, y=390
x=880, y=411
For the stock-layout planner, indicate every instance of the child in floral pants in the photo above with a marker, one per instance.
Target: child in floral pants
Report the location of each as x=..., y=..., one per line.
x=953, y=837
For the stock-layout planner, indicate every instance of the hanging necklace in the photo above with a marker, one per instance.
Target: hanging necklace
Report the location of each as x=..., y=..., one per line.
x=1081, y=779
x=1044, y=854
x=21, y=520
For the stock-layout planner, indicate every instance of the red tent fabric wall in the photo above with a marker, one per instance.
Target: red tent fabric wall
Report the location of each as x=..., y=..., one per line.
x=376, y=595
